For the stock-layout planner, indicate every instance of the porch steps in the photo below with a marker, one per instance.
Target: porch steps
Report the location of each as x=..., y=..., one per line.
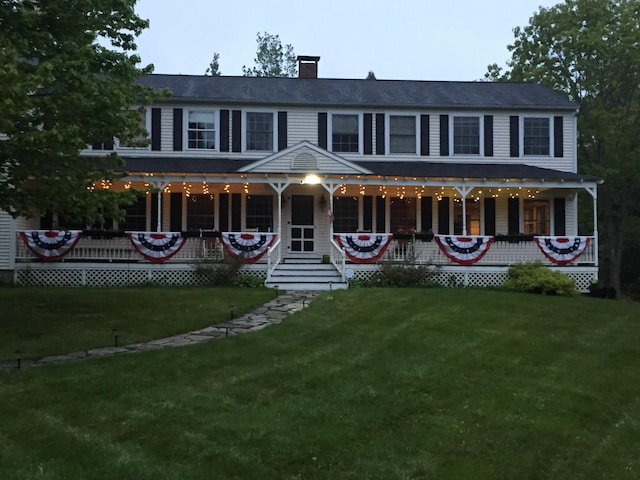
x=306, y=274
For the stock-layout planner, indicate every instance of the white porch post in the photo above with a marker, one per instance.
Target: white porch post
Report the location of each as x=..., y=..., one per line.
x=464, y=191
x=331, y=188
x=279, y=188
x=159, y=186
x=594, y=194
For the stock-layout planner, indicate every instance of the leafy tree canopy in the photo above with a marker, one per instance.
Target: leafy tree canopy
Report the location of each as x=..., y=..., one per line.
x=213, y=69
x=589, y=50
x=67, y=80
x=272, y=59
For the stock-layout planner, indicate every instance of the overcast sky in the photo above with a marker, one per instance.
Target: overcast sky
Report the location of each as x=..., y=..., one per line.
x=397, y=39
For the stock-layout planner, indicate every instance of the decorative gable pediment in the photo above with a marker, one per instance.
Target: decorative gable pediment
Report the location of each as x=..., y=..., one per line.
x=305, y=157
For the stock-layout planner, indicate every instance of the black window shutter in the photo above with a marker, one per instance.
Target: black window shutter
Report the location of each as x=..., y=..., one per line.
x=426, y=216
x=514, y=136
x=175, y=220
x=107, y=146
x=322, y=130
x=380, y=134
x=514, y=216
x=282, y=130
x=155, y=129
x=488, y=135
x=368, y=133
x=236, y=131
x=223, y=212
x=224, y=130
x=380, y=214
x=424, y=135
x=236, y=212
x=443, y=216
x=177, y=129
x=559, y=216
x=558, y=137
x=490, y=216
x=444, y=135
x=367, y=212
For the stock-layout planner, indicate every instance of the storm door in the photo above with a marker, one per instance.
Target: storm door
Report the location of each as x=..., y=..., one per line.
x=302, y=228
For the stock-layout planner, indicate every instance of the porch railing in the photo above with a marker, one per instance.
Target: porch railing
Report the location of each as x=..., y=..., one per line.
x=338, y=258
x=274, y=256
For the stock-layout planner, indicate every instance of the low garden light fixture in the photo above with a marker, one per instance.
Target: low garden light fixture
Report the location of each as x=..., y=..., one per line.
x=115, y=337
x=18, y=353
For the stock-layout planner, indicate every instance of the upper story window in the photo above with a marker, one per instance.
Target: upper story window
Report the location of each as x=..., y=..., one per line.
x=466, y=135
x=536, y=136
x=259, y=131
x=201, y=129
x=345, y=133
x=140, y=141
x=402, y=134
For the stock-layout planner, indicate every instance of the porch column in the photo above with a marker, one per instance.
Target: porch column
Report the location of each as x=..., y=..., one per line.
x=279, y=188
x=331, y=188
x=464, y=191
x=594, y=194
x=159, y=187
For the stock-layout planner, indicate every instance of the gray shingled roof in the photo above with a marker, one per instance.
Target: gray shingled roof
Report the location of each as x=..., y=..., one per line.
x=180, y=165
x=327, y=92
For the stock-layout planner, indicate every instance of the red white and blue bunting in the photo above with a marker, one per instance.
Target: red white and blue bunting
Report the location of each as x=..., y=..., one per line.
x=250, y=246
x=364, y=248
x=50, y=245
x=562, y=250
x=157, y=247
x=464, y=250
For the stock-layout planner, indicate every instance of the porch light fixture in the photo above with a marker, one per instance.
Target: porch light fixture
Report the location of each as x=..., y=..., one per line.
x=311, y=179
x=323, y=202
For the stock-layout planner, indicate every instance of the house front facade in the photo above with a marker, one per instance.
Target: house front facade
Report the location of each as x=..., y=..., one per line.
x=468, y=177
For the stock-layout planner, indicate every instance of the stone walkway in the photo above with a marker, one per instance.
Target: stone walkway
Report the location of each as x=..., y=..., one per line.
x=271, y=312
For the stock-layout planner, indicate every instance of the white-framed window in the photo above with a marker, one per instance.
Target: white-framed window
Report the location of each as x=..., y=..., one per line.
x=466, y=135
x=536, y=136
x=536, y=217
x=345, y=132
x=137, y=142
x=402, y=134
x=201, y=129
x=260, y=131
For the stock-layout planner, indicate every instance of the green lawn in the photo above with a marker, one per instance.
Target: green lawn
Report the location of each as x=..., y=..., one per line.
x=363, y=384
x=45, y=321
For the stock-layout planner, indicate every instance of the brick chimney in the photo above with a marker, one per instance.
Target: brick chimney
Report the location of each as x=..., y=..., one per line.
x=308, y=66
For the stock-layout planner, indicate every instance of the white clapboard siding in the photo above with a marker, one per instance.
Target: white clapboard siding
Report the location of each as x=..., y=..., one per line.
x=302, y=125
x=501, y=142
x=166, y=129
x=502, y=215
x=7, y=241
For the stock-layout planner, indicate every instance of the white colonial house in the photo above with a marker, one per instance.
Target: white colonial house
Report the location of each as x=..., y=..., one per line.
x=466, y=177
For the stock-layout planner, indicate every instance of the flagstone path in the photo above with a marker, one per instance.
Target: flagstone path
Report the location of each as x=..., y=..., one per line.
x=271, y=312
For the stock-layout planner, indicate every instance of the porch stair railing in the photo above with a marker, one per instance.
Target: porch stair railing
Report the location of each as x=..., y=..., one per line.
x=338, y=258
x=274, y=257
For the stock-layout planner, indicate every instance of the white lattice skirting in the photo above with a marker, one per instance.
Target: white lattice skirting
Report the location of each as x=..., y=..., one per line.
x=107, y=275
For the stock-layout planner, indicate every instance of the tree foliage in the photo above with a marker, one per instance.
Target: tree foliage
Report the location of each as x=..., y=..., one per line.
x=67, y=80
x=589, y=50
x=272, y=58
x=213, y=69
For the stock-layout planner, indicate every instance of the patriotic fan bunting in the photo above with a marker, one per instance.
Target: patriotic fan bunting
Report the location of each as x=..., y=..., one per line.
x=364, y=248
x=464, y=250
x=157, y=247
x=562, y=250
x=50, y=245
x=250, y=246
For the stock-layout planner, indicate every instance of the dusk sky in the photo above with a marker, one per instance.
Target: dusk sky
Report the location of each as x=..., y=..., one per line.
x=402, y=39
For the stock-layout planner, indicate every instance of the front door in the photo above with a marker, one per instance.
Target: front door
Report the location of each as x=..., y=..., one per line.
x=302, y=228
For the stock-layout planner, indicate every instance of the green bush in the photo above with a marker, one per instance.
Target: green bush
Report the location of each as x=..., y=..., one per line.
x=401, y=275
x=536, y=278
x=220, y=273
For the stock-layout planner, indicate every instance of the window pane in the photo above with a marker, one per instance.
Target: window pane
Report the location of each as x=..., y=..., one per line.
x=536, y=136
x=135, y=217
x=200, y=211
x=536, y=217
x=403, y=215
x=344, y=133
x=466, y=135
x=473, y=217
x=201, y=131
x=259, y=131
x=260, y=212
x=345, y=214
x=402, y=134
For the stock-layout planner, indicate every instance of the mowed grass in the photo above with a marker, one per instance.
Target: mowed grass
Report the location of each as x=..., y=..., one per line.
x=363, y=384
x=46, y=321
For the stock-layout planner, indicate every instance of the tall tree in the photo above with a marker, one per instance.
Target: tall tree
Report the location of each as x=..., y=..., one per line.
x=213, y=69
x=67, y=80
x=588, y=50
x=272, y=59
